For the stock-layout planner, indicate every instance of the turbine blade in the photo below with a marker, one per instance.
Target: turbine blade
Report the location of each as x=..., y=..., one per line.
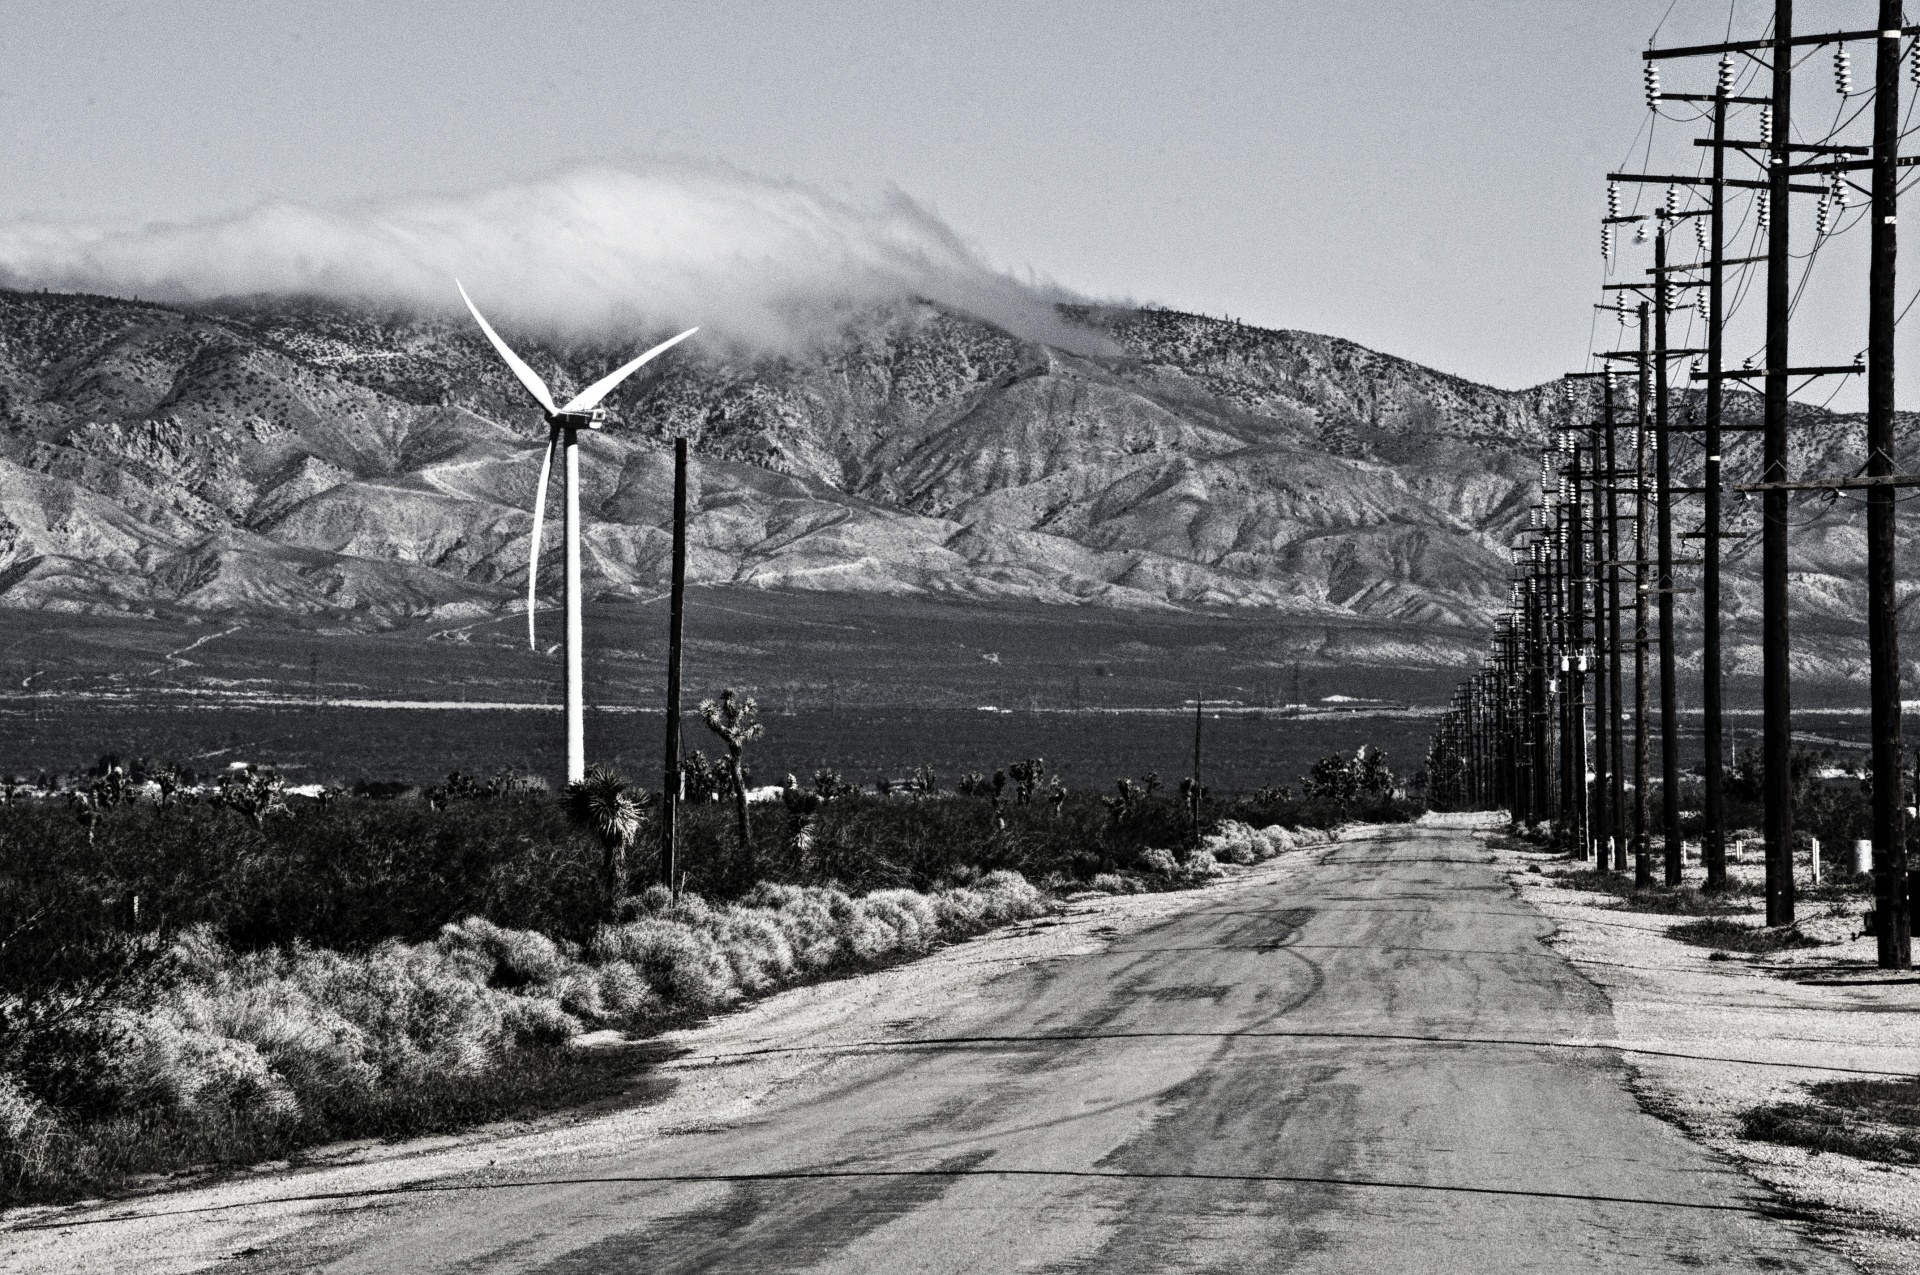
x=588, y=399
x=539, y=515
x=528, y=377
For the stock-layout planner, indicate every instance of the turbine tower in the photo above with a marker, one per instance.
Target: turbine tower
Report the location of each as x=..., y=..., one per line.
x=563, y=431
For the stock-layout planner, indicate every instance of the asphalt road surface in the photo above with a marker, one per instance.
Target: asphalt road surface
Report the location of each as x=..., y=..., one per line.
x=1344, y=1066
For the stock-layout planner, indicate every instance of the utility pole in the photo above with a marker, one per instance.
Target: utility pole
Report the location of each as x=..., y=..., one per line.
x=1776, y=705
x=1713, y=840
x=1883, y=635
x=1576, y=649
x=1642, y=869
x=1663, y=511
x=671, y=780
x=1607, y=719
x=1538, y=719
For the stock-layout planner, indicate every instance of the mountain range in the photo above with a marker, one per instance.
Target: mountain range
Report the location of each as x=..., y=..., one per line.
x=304, y=460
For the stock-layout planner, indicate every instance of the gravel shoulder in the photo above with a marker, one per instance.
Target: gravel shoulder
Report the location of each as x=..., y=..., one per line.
x=1759, y=1027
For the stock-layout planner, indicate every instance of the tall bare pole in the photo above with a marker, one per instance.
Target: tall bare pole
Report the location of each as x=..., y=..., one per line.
x=1776, y=703
x=1713, y=841
x=1663, y=512
x=1883, y=636
x=576, y=629
x=670, y=778
x=1642, y=869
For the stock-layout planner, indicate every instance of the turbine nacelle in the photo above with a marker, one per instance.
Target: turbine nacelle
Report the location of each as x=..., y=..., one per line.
x=592, y=418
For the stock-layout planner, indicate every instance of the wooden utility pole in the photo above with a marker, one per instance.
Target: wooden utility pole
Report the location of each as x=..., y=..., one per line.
x=1576, y=652
x=1713, y=840
x=1894, y=929
x=1776, y=705
x=1642, y=869
x=1663, y=513
x=1612, y=752
x=671, y=782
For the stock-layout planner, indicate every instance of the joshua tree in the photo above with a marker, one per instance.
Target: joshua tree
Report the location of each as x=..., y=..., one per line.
x=1026, y=775
x=737, y=722
x=254, y=792
x=603, y=801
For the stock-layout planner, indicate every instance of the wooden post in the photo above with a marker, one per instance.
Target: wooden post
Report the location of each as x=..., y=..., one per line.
x=670, y=779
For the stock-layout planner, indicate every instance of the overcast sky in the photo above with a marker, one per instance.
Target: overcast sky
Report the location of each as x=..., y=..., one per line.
x=1423, y=177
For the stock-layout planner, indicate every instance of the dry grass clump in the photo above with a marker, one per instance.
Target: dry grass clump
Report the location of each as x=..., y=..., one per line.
x=1872, y=1119
x=1728, y=935
x=1683, y=900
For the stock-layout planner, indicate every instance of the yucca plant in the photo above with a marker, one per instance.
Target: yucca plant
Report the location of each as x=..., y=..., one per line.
x=255, y=792
x=605, y=803
x=736, y=721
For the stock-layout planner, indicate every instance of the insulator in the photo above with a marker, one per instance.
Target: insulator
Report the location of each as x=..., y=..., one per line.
x=1842, y=71
x=1913, y=63
x=1704, y=304
x=1823, y=220
x=1672, y=205
x=1640, y=232
x=1613, y=199
x=1724, y=84
x=1700, y=234
x=1606, y=243
x=1840, y=192
x=1652, y=77
x=1620, y=308
x=1698, y=370
x=1760, y=209
x=1766, y=126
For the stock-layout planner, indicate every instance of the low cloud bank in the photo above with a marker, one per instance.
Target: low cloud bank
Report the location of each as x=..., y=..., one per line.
x=590, y=251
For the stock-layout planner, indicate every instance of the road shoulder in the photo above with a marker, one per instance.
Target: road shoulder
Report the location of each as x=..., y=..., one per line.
x=1755, y=1030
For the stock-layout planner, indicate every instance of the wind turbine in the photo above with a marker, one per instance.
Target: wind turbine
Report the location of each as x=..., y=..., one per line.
x=563, y=431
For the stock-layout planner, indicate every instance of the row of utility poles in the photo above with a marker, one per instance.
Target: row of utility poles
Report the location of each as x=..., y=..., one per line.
x=1553, y=692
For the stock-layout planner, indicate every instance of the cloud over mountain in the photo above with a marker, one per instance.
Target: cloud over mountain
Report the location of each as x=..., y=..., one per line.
x=590, y=251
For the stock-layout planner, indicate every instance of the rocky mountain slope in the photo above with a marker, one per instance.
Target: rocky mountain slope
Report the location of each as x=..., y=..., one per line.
x=289, y=458
x=299, y=458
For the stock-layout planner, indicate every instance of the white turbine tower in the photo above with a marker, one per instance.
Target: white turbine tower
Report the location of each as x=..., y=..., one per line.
x=563, y=426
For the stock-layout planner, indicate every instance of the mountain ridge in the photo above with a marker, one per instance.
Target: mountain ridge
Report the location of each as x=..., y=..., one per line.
x=294, y=458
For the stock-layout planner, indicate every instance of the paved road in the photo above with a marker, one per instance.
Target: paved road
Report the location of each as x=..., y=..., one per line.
x=1231, y=1088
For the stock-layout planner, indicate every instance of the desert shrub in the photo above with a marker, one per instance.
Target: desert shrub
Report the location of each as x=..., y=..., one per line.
x=30, y=1137
x=1232, y=842
x=1161, y=862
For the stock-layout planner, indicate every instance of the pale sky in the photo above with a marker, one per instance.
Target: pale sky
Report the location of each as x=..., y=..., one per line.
x=1423, y=177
